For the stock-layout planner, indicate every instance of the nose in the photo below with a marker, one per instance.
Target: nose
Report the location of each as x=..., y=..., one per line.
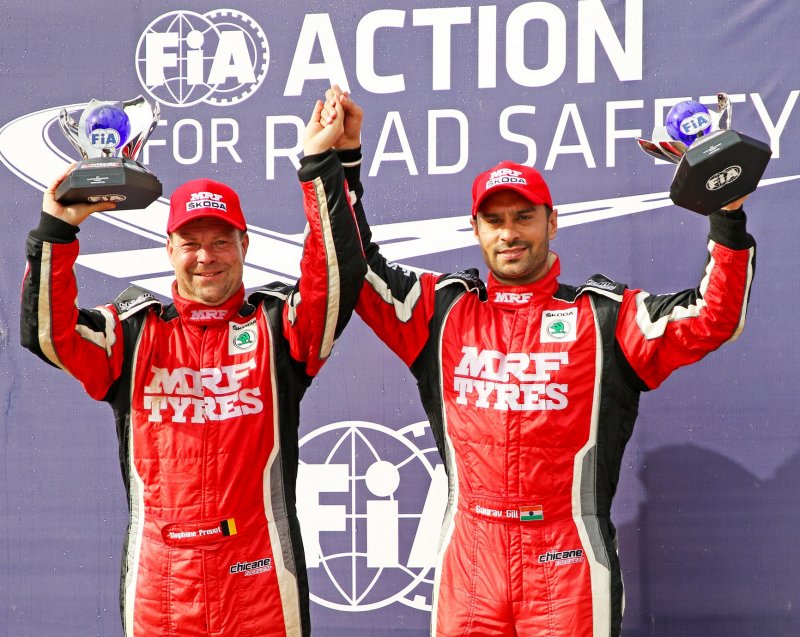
x=204, y=254
x=508, y=232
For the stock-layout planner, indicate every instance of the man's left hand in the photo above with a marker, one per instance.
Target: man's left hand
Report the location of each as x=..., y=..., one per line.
x=353, y=117
x=317, y=137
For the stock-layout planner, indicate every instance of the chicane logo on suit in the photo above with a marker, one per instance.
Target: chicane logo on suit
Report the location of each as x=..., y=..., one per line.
x=252, y=568
x=560, y=558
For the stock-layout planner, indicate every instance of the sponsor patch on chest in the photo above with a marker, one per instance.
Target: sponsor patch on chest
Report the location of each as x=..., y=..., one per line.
x=513, y=298
x=559, y=326
x=242, y=338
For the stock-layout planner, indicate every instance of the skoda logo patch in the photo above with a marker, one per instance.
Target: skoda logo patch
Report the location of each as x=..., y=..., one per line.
x=559, y=326
x=242, y=338
x=558, y=329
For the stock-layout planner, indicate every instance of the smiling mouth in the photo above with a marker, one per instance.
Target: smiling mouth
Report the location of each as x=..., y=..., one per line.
x=511, y=253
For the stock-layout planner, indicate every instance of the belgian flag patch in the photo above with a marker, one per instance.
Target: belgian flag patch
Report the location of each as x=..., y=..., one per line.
x=228, y=527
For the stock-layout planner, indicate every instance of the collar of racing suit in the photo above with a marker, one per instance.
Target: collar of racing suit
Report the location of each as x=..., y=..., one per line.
x=513, y=296
x=203, y=315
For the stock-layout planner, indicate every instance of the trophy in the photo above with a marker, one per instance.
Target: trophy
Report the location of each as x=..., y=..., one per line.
x=716, y=165
x=109, y=137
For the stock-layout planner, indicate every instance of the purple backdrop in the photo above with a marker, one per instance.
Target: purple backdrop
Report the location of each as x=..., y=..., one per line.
x=706, y=508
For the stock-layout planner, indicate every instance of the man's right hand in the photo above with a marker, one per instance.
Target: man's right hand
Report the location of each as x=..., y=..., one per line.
x=74, y=214
x=353, y=117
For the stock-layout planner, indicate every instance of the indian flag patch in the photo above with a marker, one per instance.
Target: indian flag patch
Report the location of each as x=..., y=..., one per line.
x=533, y=513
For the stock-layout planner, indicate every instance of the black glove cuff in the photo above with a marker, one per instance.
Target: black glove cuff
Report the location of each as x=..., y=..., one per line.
x=730, y=229
x=55, y=230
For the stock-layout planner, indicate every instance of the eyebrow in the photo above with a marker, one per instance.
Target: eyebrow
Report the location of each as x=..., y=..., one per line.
x=513, y=212
x=192, y=237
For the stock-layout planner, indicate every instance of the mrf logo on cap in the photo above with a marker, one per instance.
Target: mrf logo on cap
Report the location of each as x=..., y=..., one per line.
x=505, y=176
x=205, y=200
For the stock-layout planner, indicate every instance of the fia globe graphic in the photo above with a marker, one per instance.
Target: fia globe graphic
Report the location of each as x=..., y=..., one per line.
x=108, y=126
x=688, y=120
x=370, y=532
x=219, y=57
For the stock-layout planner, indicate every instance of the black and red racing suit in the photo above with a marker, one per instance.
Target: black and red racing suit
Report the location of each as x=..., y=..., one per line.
x=532, y=392
x=206, y=401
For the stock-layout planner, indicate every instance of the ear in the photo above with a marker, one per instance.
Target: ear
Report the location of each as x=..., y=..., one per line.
x=552, y=223
x=170, y=250
x=245, y=244
x=474, y=222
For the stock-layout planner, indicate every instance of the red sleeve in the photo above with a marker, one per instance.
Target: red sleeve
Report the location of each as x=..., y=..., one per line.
x=332, y=266
x=396, y=302
x=658, y=334
x=86, y=343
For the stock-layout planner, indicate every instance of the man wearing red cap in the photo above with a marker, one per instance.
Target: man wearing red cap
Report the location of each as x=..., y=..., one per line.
x=206, y=395
x=531, y=387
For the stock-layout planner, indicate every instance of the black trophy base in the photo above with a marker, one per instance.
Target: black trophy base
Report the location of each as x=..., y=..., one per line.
x=125, y=182
x=717, y=170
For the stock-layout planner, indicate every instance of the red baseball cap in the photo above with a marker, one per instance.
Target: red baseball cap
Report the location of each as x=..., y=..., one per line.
x=204, y=198
x=507, y=175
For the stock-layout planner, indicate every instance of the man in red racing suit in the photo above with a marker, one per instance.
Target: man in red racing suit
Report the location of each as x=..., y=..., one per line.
x=531, y=387
x=206, y=396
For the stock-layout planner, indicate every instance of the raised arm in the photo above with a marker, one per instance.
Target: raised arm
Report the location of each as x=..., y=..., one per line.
x=85, y=343
x=659, y=333
x=333, y=265
x=395, y=302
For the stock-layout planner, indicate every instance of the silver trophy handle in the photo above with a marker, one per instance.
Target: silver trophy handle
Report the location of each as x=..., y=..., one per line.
x=654, y=150
x=70, y=129
x=144, y=119
x=724, y=111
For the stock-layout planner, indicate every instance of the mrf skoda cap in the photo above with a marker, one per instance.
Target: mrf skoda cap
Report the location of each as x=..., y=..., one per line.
x=204, y=198
x=508, y=175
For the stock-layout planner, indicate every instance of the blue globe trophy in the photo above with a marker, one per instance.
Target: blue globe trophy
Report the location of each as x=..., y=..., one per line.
x=109, y=137
x=716, y=165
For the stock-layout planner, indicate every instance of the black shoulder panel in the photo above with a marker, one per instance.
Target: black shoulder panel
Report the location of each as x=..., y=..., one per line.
x=132, y=300
x=601, y=283
x=596, y=284
x=275, y=289
x=470, y=280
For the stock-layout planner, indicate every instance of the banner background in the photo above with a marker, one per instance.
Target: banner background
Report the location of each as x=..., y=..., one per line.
x=706, y=509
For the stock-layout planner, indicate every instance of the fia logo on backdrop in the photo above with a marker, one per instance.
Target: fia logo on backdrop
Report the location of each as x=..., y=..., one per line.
x=220, y=57
x=371, y=501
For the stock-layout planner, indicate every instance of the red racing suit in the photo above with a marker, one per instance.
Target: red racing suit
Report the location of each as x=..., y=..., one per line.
x=532, y=392
x=206, y=401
